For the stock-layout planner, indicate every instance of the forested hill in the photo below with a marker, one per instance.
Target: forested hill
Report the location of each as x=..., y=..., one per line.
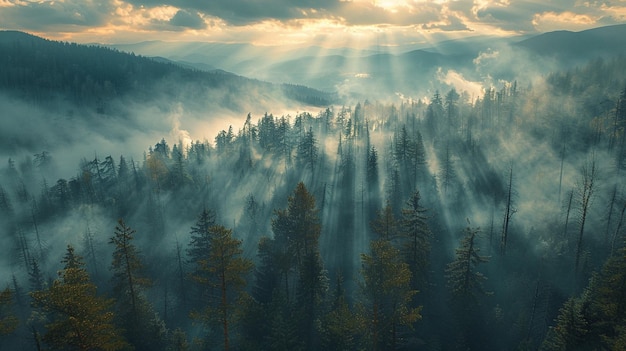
x=39, y=69
x=578, y=47
x=452, y=224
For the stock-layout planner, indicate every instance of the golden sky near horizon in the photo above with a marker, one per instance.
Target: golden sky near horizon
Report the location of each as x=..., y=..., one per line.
x=330, y=23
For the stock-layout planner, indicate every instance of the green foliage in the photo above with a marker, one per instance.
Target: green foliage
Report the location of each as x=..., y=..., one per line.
x=178, y=341
x=8, y=319
x=597, y=318
x=127, y=267
x=340, y=326
x=225, y=271
x=415, y=236
x=79, y=319
x=387, y=292
x=199, y=246
x=570, y=330
x=385, y=223
x=299, y=224
x=142, y=326
x=464, y=280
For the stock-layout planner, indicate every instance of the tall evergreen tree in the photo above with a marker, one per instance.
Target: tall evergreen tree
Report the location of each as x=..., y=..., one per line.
x=79, y=319
x=143, y=328
x=385, y=223
x=8, y=319
x=387, y=292
x=226, y=272
x=464, y=280
x=416, y=237
x=199, y=247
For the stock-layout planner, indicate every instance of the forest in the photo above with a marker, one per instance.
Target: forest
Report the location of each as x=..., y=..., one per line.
x=446, y=223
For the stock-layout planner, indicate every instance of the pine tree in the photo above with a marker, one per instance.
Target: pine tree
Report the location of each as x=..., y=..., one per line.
x=297, y=230
x=225, y=271
x=143, y=328
x=416, y=238
x=372, y=169
x=299, y=223
x=464, y=280
x=199, y=247
x=8, y=319
x=126, y=266
x=340, y=325
x=80, y=320
x=308, y=150
x=388, y=295
x=267, y=274
x=571, y=327
x=446, y=171
x=385, y=223
x=35, y=277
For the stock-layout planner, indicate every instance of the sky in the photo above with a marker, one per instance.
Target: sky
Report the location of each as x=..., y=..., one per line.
x=330, y=23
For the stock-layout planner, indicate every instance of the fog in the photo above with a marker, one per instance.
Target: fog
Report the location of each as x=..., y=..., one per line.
x=506, y=136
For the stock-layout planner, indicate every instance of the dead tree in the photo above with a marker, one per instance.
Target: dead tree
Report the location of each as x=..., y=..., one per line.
x=589, y=174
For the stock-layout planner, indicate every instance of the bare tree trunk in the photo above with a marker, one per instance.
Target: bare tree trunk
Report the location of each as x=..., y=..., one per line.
x=508, y=213
x=619, y=227
x=609, y=217
x=586, y=192
x=569, y=208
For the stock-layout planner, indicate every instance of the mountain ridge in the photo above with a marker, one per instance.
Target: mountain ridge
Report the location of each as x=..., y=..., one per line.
x=40, y=68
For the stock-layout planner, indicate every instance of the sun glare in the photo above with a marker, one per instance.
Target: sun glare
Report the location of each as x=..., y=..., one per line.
x=391, y=5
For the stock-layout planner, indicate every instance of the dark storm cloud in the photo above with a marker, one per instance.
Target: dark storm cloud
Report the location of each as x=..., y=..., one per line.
x=49, y=14
x=187, y=19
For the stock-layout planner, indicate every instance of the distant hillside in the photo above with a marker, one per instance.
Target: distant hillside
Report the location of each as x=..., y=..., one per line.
x=38, y=69
x=578, y=46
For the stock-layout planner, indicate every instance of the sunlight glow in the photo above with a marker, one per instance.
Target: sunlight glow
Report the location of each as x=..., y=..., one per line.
x=391, y=5
x=565, y=20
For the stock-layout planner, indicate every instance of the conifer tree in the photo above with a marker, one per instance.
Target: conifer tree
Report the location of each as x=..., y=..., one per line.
x=416, y=238
x=297, y=230
x=446, y=171
x=127, y=267
x=570, y=330
x=308, y=151
x=8, y=318
x=464, y=280
x=143, y=328
x=199, y=247
x=385, y=223
x=79, y=319
x=340, y=325
x=388, y=295
x=35, y=277
x=226, y=271
x=299, y=223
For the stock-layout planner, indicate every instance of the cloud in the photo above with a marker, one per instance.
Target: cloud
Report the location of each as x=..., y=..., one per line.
x=243, y=12
x=548, y=21
x=187, y=19
x=456, y=80
x=490, y=54
x=281, y=22
x=71, y=15
x=449, y=24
